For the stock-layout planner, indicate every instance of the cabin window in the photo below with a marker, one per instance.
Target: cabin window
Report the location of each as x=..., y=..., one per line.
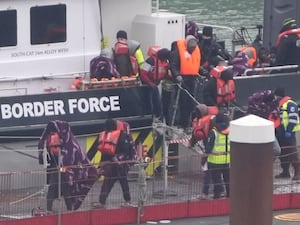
x=48, y=24
x=8, y=28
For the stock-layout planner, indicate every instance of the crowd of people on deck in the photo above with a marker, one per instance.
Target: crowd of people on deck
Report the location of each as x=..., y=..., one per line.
x=177, y=71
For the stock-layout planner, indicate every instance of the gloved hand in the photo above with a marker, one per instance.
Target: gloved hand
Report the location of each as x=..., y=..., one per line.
x=179, y=78
x=287, y=134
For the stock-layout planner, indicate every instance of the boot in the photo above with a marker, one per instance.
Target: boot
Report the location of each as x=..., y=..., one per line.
x=285, y=171
x=283, y=175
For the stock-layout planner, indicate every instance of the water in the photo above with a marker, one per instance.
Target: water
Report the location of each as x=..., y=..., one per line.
x=232, y=13
x=229, y=13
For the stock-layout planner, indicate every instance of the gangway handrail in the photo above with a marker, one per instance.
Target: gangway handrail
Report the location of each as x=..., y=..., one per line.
x=269, y=69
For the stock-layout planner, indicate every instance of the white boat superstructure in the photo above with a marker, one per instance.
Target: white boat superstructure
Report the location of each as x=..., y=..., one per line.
x=44, y=45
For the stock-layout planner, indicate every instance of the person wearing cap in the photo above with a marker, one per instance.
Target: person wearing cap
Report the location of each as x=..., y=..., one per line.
x=185, y=60
x=103, y=66
x=218, y=150
x=212, y=53
x=285, y=133
x=288, y=44
x=116, y=153
x=155, y=69
x=128, y=55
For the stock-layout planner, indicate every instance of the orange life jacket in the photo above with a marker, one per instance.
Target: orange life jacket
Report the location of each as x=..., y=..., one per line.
x=225, y=90
x=188, y=65
x=160, y=67
x=201, y=127
x=287, y=32
x=53, y=143
x=252, y=60
x=122, y=56
x=107, y=142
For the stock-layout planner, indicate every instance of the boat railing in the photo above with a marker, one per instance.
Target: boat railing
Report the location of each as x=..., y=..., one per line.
x=45, y=77
x=267, y=70
x=21, y=91
x=221, y=34
x=91, y=84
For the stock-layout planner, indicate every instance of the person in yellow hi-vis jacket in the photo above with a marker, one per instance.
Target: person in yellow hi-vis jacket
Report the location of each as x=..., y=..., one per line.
x=285, y=133
x=218, y=150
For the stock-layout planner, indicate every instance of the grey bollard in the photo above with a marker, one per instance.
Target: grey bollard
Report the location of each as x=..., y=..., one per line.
x=251, y=171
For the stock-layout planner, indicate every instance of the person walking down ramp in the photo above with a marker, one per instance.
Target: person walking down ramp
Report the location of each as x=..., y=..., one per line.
x=116, y=149
x=65, y=156
x=218, y=150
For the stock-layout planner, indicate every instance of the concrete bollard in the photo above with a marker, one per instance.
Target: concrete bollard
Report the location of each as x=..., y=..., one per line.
x=251, y=171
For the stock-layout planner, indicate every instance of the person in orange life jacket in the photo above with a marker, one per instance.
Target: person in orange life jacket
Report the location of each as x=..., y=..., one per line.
x=53, y=151
x=220, y=87
x=203, y=121
x=103, y=66
x=185, y=61
x=155, y=69
x=218, y=150
x=116, y=151
x=202, y=118
x=285, y=134
x=65, y=156
x=128, y=55
x=288, y=44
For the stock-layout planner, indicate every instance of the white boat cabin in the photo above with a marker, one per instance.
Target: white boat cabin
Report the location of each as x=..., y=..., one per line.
x=42, y=41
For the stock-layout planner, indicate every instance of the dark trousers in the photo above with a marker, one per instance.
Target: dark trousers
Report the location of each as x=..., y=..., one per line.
x=167, y=99
x=288, y=155
x=186, y=103
x=115, y=173
x=220, y=177
x=53, y=192
x=155, y=101
x=206, y=182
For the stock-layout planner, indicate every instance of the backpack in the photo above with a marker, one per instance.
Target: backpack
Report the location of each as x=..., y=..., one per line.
x=124, y=126
x=262, y=103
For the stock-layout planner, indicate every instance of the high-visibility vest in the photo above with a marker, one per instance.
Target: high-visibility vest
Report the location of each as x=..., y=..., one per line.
x=220, y=147
x=285, y=115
